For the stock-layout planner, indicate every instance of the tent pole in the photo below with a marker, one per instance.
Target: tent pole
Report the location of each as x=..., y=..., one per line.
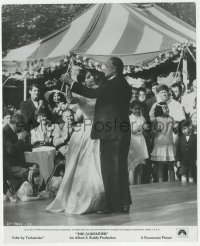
x=25, y=88
x=185, y=74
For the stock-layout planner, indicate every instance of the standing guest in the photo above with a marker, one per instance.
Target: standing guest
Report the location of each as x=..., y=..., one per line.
x=189, y=101
x=143, y=106
x=175, y=108
x=135, y=94
x=142, y=94
x=57, y=104
x=150, y=101
x=33, y=104
x=187, y=152
x=138, y=150
x=163, y=154
x=43, y=133
x=146, y=132
x=14, y=146
x=177, y=92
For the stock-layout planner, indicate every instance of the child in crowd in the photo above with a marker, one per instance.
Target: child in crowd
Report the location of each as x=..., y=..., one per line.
x=187, y=152
x=29, y=190
x=138, y=149
x=43, y=134
x=163, y=154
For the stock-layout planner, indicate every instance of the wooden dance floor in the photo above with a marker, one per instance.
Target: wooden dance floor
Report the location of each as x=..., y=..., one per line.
x=165, y=204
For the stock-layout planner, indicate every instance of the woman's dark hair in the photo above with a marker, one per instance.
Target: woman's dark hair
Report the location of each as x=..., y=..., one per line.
x=99, y=78
x=62, y=98
x=81, y=75
x=159, y=110
x=134, y=103
x=35, y=187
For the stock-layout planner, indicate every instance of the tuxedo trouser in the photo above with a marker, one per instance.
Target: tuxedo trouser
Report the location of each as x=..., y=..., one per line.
x=114, y=168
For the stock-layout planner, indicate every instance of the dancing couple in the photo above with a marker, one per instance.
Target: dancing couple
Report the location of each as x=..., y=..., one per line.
x=96, y=173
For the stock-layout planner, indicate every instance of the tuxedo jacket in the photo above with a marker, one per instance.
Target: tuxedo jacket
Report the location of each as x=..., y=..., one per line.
x=111, y=116
x=187, y=151
x=28, y=110
x=13, y=149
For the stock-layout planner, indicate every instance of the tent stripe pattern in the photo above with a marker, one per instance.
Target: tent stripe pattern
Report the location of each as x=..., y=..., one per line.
x=125, y=30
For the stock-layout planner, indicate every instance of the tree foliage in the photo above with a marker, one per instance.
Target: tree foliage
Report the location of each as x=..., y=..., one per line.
x=23, y=24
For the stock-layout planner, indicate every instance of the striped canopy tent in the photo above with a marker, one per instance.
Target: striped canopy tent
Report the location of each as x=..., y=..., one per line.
x=136, y=34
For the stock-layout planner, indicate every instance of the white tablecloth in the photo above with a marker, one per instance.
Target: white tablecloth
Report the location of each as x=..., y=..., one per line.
x=44, y=156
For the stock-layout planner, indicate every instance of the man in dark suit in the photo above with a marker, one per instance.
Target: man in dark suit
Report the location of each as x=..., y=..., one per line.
x=29, y=107
x=14, y=168
x=111, y=125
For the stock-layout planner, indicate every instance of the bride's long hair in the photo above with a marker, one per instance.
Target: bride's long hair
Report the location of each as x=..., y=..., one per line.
x=98, y=77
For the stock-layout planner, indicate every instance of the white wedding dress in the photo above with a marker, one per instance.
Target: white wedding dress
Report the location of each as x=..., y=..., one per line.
x=81, y=190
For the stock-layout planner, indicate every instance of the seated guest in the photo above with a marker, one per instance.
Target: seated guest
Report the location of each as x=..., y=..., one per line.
x=14, y=146
x=57, y=103
x=29, y=190
x=63, y=133
x=6, y=117
x=33, y=104
x=43, y=134
x=187, y=152
x=177, y=92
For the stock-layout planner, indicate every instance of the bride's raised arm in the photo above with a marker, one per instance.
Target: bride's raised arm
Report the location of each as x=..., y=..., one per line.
x=69, y=97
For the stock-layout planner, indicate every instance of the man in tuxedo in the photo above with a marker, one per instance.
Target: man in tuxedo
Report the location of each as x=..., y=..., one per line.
x=14, y=145
x=111, y=125
x=30, y=106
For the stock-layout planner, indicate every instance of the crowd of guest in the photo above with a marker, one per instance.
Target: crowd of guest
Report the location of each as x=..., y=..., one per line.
x=163, y=137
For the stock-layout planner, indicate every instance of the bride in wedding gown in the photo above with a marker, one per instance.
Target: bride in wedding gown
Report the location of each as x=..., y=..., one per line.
x=81, y=190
